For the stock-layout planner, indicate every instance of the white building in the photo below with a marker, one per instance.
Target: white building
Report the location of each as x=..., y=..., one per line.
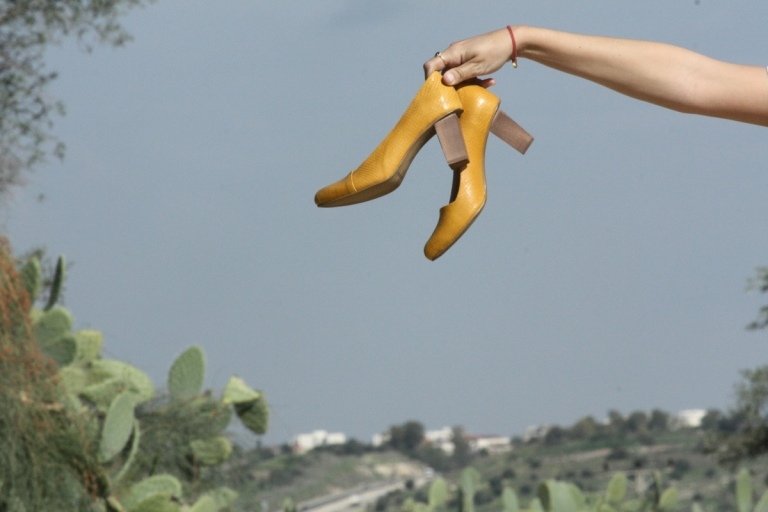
x=380, y=439
x=688, y=418
x=441, y=438
x=491, y=444
x=535, y=432
x=306, y=442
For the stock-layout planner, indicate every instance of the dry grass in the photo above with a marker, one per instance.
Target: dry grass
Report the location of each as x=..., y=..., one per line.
x=47, y=461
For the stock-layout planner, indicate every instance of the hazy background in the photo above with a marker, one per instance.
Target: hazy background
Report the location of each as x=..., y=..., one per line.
x=608, y=269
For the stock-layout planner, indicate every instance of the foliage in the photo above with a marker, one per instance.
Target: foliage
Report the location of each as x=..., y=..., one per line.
x=48, y=460
x=27, y=28
x=462, y=454
x=638, y=426
x=744, y=494
x=407, y=437
x=760, y=283
x=80, y=432
x=553, y=496
x=744, y=432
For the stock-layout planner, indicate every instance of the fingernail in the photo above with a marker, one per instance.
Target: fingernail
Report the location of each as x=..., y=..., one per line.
x=449, y=77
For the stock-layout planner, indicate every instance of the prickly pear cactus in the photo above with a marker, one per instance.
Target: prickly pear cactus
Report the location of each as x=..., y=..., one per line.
x=762, y=505
x=52, y=330
x=509, y=501
x=118, y=426
x=32, y=278
x=249, y=404
x=213, y=451
x=107, y=378
x=57, y=284
x=470, y=479
x=89, y=343
x=117, y=480
x=153, y=491
x=223, y=496
x=185, y=379
x=617, y=490
x=558, y=497
x=744, y=491
x=438, y=494
x=110, y=400
x=204, y=504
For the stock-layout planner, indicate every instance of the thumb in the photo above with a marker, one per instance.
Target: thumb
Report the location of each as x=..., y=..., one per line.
x=452, y=77
x=458, y=74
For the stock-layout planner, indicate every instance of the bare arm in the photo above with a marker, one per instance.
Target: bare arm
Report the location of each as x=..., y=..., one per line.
x=663, y=74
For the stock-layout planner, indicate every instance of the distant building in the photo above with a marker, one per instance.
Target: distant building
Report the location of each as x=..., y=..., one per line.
x=380, y=439
x=306, y=442
x=535, y=432
x=490, y=444
x=688, y=418
x=441, y=439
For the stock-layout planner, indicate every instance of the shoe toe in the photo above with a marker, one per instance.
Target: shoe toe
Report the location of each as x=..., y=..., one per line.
x=454, y=221
x=434, y=250
x=332, y=193
x=445, y=234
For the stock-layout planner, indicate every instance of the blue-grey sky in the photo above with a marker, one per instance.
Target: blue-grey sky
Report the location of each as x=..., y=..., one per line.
x=608, y=269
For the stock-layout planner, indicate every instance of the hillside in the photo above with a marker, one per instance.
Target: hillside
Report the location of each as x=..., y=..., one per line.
x=675, y=456
x=265, y=482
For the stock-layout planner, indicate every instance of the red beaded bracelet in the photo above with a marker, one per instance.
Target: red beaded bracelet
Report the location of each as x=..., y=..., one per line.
x=513, y=58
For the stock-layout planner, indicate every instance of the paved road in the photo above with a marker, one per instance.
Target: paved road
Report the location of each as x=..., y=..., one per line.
x=356, y=499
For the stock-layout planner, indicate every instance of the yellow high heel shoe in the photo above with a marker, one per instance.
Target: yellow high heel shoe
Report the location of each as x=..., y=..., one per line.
x=468, y=195
x=434, y=108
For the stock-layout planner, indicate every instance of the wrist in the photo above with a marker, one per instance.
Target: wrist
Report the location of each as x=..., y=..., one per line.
x=513, y=56
x=521, y=39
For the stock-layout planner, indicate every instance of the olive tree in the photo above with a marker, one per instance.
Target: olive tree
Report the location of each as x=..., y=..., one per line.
x=27, y=111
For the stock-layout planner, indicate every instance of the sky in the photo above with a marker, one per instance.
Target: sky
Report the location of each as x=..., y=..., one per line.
x=607, y=271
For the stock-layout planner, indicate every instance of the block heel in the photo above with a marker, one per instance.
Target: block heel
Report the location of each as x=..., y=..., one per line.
x=505, y=128
x=451, y=140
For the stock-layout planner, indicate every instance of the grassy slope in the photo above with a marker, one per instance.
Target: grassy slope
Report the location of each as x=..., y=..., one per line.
x=302, y=477
x=587, y=464
x=590, y=465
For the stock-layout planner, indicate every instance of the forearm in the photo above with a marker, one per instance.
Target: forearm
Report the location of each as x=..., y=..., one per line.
x=663, y=74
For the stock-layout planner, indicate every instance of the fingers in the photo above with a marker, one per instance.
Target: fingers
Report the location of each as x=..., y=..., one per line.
x=486, y=82
x=459, y=64
x=455, y=76
x=482, y=82
x=462, y=73
x=432, y=65
x=440, y=62
x=470, y=58
x=453, y=69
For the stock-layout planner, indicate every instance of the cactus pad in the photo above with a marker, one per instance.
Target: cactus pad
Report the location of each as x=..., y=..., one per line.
x=185, y=379
x=31, y=278
x=165, y=486
x=237, y=392
x=118, y=425
x=213, y=451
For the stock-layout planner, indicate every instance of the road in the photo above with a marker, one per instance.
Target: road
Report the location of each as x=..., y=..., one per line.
x=356, y=499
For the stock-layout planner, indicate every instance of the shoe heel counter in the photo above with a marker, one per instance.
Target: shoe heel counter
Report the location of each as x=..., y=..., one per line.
x=437, y=98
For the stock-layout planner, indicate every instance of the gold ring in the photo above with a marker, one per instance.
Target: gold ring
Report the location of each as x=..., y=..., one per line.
x=440, y=56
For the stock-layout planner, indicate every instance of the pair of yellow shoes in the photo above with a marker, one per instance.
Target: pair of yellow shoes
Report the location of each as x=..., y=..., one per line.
x=462, y=116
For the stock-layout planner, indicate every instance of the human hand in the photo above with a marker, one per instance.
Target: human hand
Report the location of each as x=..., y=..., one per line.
x=470, y=58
